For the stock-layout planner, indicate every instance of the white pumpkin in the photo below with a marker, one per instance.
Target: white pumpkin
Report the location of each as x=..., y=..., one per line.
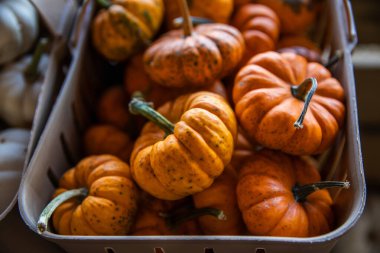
x=18, y=28
x=18, y=92
x=13, y=147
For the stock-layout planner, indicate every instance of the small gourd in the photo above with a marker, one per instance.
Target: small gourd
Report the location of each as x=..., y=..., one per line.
x=18, y=28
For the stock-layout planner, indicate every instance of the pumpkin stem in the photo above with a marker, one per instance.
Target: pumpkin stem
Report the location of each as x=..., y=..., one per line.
x=178, y=22
x=139, y=106
x=187, y=24
x=31, y=72
x=42, y=223
x=301, y=192
x=104, y=3
x=174, y=220
x=304, y=92
x=334, y=59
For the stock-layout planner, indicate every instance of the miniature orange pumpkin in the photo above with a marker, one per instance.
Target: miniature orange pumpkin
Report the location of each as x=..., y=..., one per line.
x=107, y=139
x=279, y=113
x=260, y=28
x=280, y=195
x=243, y=149
x=110, y=199
x=222, y=196
x=194, y=58
x=125, y=25
x=113, y=107
x=194, y=151
x=136, y=79
x=300, y=44
x=199, y=8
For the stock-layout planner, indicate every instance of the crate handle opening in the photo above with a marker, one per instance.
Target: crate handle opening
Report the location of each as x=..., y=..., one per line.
x=109, y=250
x=158, y=250
x=209, y=250
x=260, y=250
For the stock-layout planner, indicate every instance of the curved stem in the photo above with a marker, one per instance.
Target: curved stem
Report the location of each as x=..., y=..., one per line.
x=174, y=220
x=139, y=106
x=104, y=3
x=42, y=223
x=334, y=59
x=187, y=24
x=31, y=72
x=301, y=192
x=304, y=92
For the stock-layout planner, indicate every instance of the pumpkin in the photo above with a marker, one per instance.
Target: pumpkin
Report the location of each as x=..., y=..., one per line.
x=153, y=218
x=113, y=107
x=124, y=25
x=107, y=139
x=18, y=28
x=260, y=28
x=109, y=199
x=221, y=195
x=136, y=79
x=243, y=149
x=281, y=195
x=300, y=44
x=274, y=103
x=13, y=147
x=199, y=8
x=194, y=57
x=20, y=86
x=188, y=154
x=296, y=16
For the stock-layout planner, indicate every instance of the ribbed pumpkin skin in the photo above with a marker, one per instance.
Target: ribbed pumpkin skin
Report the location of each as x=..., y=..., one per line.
x=136, y=79
x=109, y=208
x=187, y=161
x=265, y=197
x=216, y=10
x=209, y=54
x=221, y=195
x=267, y=110
x=120, y=30
x=259, y=26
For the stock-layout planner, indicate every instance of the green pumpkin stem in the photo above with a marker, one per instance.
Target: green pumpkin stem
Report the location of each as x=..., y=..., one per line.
x=301, y=192
x=187, y=23
x=43, y=220
x=31, y=72
x=174, y=220
x=304, y=92
x=139, y=106
x=104, y=3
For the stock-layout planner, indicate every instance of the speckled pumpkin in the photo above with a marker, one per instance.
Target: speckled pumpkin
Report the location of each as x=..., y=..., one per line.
x=136, y=79
x=276, y=196
x=124, y=26
x=269, y=94
x=111, y=203
x=221, y=195
x=200, y=8
x=260, y=28
x=194, y=57
x=192, y=153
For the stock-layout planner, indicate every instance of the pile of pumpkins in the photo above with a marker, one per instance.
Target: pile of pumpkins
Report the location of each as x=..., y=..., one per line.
x=23, y=62
x=223, y=105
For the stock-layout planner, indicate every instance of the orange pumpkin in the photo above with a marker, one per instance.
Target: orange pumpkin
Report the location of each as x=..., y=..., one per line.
x=260, y=28
x=188, y=155
x=243, y=149
x=280, y=195
x=296, y=16
x=199, y=8
x=187, y=58
x=222, y=196
x=107, y=139
x=136, y=79
x=274, y=103
x=113, y=107
x=109, y=200
x=300, y=44
x=124, y=25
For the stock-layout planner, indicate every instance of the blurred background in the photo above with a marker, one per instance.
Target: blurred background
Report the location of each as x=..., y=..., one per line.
x=365, y=236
